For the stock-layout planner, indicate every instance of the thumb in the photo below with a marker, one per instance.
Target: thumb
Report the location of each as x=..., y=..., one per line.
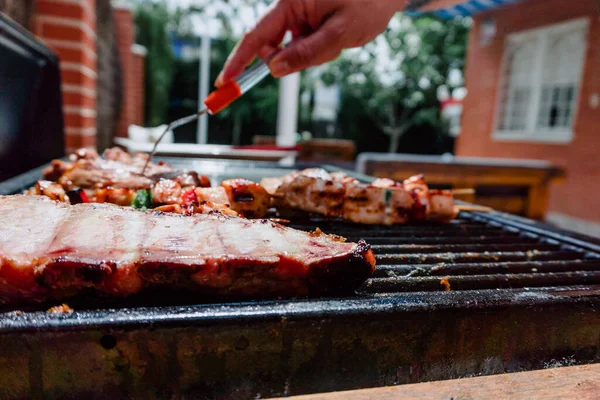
x=317, y=48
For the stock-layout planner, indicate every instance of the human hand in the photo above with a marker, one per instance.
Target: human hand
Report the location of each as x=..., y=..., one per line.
x=321, y=30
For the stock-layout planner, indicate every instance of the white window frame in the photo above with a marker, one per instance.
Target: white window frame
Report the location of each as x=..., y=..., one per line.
x=533, y=133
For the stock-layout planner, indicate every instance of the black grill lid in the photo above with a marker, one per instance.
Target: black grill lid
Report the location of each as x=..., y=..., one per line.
x=31, y=117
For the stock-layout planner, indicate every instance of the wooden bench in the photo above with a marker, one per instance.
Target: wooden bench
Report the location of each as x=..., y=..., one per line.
x=515, y=186
x=323, y=150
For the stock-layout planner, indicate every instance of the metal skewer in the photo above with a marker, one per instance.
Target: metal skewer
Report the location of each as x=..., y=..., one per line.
x=222, y=97
x=175, y=124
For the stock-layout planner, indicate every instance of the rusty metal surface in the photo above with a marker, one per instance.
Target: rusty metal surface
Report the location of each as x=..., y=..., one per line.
x=248, y=358
x=521, y=296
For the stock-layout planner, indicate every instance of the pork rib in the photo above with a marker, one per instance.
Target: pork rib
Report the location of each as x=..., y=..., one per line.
x=50, y=250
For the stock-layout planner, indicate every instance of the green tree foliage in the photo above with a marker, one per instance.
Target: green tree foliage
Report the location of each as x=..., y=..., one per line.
x=389, y=87
x=151, y=19
x=254, y=113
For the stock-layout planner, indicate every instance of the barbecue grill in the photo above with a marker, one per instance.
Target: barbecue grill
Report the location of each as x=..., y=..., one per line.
x=484, y=294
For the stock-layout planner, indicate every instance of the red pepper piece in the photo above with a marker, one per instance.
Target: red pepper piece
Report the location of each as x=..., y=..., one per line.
x=189, y=197
x=77, y=196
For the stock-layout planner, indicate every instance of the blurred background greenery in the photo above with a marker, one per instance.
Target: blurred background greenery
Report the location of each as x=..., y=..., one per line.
x=388, y=90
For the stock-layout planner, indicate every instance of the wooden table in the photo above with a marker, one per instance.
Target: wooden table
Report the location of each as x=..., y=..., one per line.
x=510, y=185
x=579, y=382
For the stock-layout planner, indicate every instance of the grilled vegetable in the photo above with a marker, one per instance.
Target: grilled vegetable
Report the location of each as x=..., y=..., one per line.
x=142, y=200
x=77, y=196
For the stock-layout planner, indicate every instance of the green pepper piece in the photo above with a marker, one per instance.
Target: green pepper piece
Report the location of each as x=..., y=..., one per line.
x=388, y=196
x=142, y=200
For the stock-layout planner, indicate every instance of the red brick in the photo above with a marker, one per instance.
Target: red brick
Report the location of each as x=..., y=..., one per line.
x=77, y=78
x=78, y=121
x=138, y=89
x=78, y=56
x=577, y=196
x=73, y=142
x=66, y=10
x=52, y=30
x=125, y=36
x=79, y=100
x=59, y=21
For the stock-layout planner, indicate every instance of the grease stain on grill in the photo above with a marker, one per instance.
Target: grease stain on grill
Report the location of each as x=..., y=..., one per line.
x=242, y=344
x=108, y=342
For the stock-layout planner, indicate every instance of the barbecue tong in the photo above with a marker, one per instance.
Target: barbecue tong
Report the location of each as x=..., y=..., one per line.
x=221, y=98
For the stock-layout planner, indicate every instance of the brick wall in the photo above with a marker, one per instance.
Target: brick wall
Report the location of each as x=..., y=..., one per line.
x=68, y=27
x=125, y=37
x=138, y=84
x=578, y=195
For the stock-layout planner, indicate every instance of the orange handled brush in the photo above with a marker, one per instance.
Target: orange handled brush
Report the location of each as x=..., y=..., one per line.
x=220, y=98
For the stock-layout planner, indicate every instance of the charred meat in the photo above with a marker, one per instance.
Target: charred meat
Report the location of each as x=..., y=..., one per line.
x=115, y=178
x=55, y=250
x=381, y=202
x=233, y=197
x=117, y=169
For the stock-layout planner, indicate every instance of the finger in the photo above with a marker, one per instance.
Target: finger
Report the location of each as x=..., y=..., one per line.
x=268, y=31
x=321, y=46
x=267, y=50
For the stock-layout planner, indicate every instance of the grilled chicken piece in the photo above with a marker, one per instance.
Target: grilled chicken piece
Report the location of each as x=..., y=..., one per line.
x=246, y=197
x=205, y=207
x=49, y=189
x=54, y=250
x=86, y=153
x=382, y=202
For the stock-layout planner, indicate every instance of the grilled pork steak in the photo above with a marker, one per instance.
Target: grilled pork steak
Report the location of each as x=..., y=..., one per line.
x=49, y=249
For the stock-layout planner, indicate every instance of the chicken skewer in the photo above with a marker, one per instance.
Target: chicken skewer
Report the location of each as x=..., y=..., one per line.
x=381, y=202
x=113, y=179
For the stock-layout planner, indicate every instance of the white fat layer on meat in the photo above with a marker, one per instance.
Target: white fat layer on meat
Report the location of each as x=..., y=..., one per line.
x=95, y=233
x=28, y=227
x=285, y=243
x=252, y=241
x=91, y=227
x=177, y=238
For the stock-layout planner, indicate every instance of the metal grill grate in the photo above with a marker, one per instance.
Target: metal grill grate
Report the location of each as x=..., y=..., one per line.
x=468, y=253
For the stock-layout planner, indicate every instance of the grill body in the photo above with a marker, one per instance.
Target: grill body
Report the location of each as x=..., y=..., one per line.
x=485, y=294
